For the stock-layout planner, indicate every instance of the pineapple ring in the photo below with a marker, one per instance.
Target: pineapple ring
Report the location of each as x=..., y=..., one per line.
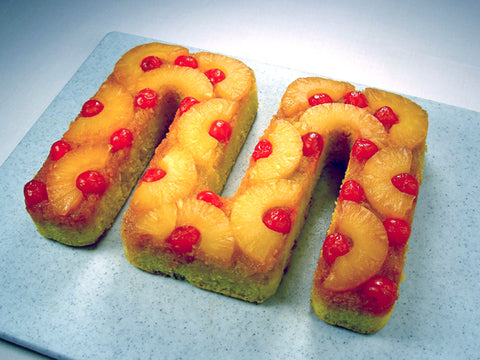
x=370, y=247
x=155, y=223
x=127, y=69
x=295, y=99
x=178, y=79
x=286, y=154
x=61, y=181
x=411, y=130
x=193, y=127
x=233, y=87
x=181, y=177
x=116, y=114
x=377, y=182
x=330, y=118
x=254, y=239
x=217, y=242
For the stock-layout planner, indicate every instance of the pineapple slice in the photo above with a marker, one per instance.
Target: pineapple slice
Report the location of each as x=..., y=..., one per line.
x=116, y=113
x=128, y=69
x=238, y=81
x=411, y=130
x=297, y=94
x=179, y=79
x=158, y=223
x=378, y=186
x=286, y=153
x=193, y=128
x=61, y=180
x=369, y=250
x=180, y=179
x=256, y=241
x=349, y=119
x=216, y=243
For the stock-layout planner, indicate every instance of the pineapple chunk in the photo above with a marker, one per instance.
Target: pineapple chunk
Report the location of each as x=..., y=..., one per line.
x=377, y=181
x=182, y=80
x=411, y=130
x=127, y=70
x=180, y=179
x=193, y=128
x=297, y=94
x=369, y=250
x=216, y=242
x=286, y=153
x=158, y=223
x=238, y=81
x=253, y=237
x=116, y=113
x=61, y=180
x=349, y=119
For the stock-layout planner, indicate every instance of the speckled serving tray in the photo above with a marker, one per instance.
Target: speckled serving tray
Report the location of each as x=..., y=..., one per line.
x=92, y=303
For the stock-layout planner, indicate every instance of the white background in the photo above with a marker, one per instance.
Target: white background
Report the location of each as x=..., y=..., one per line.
x=429, y=49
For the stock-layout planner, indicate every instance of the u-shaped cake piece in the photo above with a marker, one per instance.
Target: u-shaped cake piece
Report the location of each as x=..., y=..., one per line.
x=91, y=170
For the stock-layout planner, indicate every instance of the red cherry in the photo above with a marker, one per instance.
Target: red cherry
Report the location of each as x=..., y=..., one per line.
x=319, y=99
x=398, y=231
x=380, y=293
x=406, y=183
x=335, y=245
x=153, y=174
x=210, y=197
x=35, y=192
x=278, y=219
x=262, y=150
x=220, y=130
x=186, y=60
x=386, y=116
x=91, y=108
x=356, y=98
x=186, y=103
x=146, y=98
x=363, y=149
x=353, y=191
x=150, y=63
x=183, y=238
x=312, y=144
x=215, y=75
x=121, y=139
x=91, y=182
x=58, y=149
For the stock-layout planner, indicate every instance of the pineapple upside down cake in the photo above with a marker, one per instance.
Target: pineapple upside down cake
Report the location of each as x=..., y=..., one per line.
x=179, y=225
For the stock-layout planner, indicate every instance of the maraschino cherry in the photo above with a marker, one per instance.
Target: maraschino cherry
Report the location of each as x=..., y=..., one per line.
x=91, y=182
x=363, y=149
x=220, y=130
x=120, y=139
x=278, y=219
x=263, y=149
x=187, y=61
x=153, y=174
x=356, y=98
x=183, y=238
x=215, y=76
x=335, y=245
x=59, y=149
x=312, y=144
x=406, y=183
x=35, y=192
x=380, y=293
x=210, y=197
x=146, y=99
